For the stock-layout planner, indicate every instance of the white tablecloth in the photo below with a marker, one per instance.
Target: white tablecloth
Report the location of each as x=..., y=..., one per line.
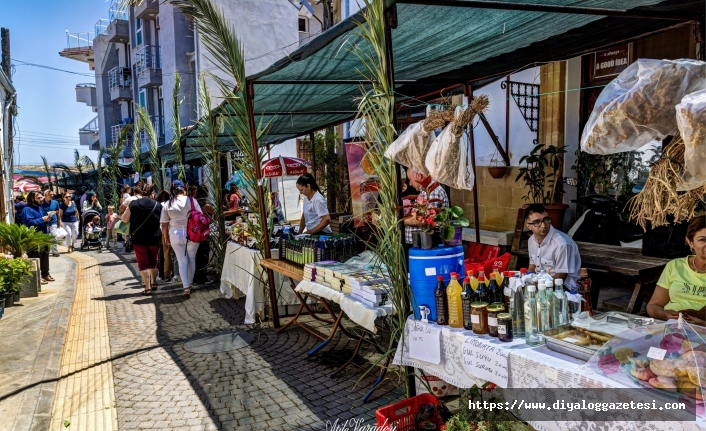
x=359, y=313
x=528, y=368
x=242, y=273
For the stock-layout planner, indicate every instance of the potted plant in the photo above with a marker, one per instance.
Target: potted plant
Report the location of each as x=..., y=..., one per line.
x=450, y=222
x=19, y=239
x=12, y=273
x=542, y=174
x=424, y=212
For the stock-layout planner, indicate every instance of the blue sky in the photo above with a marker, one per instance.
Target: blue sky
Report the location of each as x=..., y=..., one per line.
x=49, y=116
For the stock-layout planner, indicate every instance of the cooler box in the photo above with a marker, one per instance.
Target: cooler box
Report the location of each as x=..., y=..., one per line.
x=424, y=267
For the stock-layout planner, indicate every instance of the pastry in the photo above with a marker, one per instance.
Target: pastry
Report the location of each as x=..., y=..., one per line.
x=663, y=382
x=642, y=373
x=624, y=354
x=666, y=367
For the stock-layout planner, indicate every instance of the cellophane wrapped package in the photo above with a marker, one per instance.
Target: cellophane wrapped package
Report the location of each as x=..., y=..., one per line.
x=448, y=159
x=638, y=107
x=670, y=357
x=411, y=147
x=691, y=120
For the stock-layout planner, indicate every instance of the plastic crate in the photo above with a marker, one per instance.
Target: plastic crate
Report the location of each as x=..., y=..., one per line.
x=400, y=416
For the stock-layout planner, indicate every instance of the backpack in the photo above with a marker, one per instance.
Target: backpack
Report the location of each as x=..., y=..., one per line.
x=198, y=225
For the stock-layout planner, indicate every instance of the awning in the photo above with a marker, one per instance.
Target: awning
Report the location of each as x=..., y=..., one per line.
x=439, y=45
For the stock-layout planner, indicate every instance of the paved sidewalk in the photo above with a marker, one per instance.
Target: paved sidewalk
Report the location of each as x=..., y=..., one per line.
x=31, y=341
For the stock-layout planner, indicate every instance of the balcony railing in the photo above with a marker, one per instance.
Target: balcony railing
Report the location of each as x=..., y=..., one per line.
x=117, y=11
x=125, y=127
x=101, y=27
x=119, y=77
x=90, y=127
x=81, y=40
x=147, y=57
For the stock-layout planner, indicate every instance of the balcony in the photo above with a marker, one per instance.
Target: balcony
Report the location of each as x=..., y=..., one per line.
x=147, y=9
x=124, y=130
x=148, y=66
x=86, y=93
x=118, y=31
x=101, y=27
x=120, y=83
x=88, y=134
x=79, y=46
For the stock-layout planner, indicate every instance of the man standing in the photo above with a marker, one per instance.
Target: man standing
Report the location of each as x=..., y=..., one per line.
x=51, y=207
x=424, y=185
x=551, y=249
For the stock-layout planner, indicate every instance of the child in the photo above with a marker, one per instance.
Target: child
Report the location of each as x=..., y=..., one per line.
x=110, y=221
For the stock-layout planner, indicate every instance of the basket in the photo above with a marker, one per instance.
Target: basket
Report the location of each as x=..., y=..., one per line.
x=400, y=416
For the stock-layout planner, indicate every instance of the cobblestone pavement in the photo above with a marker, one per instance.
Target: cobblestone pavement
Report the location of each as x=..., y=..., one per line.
x=270, y=384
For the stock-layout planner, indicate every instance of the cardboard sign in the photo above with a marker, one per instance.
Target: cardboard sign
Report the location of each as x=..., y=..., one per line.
x=485, y=361
x=425, y=342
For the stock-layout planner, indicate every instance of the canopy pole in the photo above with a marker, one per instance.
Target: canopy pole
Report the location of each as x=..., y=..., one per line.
x=261, y=197
x=312, y=139
x=468, y=89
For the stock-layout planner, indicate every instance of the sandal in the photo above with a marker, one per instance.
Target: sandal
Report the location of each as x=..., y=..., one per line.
x=49, y=278
x=154, y=286
x=187, y=293
x=147, y=292
x=43, y=281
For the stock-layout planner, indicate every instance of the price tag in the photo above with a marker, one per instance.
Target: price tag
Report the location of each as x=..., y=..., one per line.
x=485, y=361
x=551, y=373
x=475, y=318
x=570, y=340
x=429, y=272
x=492, y=321
x=425, y=342
x=656, y=353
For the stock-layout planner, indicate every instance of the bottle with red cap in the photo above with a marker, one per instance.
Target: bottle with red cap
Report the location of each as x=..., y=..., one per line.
x=466, y=300
x=482, y=292
x=442, y=304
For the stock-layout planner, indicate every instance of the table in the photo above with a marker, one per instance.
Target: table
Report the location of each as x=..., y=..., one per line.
x=626, y=263
x=241, y=274
x=528, y=367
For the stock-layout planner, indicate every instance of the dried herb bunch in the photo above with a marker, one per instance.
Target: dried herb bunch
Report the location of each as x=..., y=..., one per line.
x=478, y=105
x=659, y=197
x=691, y=119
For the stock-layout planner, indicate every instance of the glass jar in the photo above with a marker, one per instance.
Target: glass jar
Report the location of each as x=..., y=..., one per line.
x=494, y=310
x=479, y=317
x=505, y=327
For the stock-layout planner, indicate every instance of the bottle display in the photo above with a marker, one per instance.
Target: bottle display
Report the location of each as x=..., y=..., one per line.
x=507, y=292
x=562, y=302
x=494, y=292
x=552, y=304
x=482, y=292
x=533, y=336
x=542, y=307
x=467, y=299
x=453, y=294
x=585, y=290
x=517, y=311
x=442, y=305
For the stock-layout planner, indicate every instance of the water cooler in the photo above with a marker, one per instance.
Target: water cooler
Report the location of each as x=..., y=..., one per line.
x=424, y=267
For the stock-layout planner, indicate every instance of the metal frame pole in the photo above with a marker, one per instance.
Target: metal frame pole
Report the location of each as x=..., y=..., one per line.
x=312, y=140
x=261, y=197
x=468, y=89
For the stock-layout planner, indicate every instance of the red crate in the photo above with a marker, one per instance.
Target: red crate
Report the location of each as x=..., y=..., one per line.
x=400, y=416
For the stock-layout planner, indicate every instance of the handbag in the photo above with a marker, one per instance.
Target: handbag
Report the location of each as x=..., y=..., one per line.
x=128, y=238
x=122, y=227
x=128, y=244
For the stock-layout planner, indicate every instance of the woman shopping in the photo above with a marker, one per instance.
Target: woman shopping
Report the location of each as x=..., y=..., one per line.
x=175, y=214
x=680, y=288
x=69, y=216
x=315, y=215
x=143, y=215
x=33, y=215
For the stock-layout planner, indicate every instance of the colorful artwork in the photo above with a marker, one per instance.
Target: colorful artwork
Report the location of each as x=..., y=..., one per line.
x=364, y=182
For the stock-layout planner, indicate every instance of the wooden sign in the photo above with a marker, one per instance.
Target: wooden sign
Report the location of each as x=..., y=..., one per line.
x=609, y=63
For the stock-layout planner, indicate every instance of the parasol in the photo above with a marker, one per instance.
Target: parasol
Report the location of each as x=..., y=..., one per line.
x=25, y=186
x=284, y=167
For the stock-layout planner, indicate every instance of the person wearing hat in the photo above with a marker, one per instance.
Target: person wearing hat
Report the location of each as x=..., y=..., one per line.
x=91, y=202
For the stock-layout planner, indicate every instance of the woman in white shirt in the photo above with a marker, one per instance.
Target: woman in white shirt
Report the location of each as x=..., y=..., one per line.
x=315, y=216
x=175, y=214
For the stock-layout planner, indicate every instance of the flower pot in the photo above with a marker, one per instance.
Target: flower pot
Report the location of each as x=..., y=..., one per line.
x=17, y=296
x=9, y=299
x=427, y=240
x=497, y=171
x=556, y=212
x=457, y=239
x=2, y=305
x=416, y=239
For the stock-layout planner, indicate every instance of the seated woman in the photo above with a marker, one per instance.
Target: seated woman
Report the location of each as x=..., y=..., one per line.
x=682, y=285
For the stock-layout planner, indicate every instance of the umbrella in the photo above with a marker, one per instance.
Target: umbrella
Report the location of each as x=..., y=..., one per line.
x=25, y=186
x=284, y=167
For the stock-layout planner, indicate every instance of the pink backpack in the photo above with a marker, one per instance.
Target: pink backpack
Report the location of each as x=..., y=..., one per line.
x=198, y=226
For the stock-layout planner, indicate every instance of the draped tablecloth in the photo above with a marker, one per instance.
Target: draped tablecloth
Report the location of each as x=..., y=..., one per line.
x=359, y=313
x=528, y=367
x=242, y=273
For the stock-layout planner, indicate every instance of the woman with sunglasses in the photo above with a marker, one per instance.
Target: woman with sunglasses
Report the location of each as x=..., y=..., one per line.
x=69, y=216
x=551, y=249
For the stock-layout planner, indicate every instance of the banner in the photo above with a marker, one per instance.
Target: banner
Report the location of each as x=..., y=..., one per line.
x=364, y=182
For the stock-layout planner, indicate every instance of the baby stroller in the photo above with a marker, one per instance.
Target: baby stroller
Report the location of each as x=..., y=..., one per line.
x=91, y=237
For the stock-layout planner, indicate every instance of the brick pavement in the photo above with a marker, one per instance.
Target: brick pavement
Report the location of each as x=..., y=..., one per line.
x=271, y=384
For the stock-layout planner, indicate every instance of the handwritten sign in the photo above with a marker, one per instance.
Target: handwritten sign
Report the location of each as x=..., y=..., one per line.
x=485, y=361
x=425, y=342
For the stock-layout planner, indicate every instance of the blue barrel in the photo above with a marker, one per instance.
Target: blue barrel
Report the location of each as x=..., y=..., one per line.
x=424, y=267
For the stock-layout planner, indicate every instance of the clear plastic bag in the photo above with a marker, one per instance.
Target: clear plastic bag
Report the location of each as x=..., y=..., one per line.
x=691, y=120
x=448, y=159
x=411, y=147
x=637, y=107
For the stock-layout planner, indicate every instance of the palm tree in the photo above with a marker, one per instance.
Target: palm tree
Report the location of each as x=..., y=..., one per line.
x=176, y=128
x=75, y=172
x=145, y=124
x=46, y=170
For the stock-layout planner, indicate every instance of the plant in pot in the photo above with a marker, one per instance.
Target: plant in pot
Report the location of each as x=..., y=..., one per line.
x=542, y=174
x=19, y=239
x=450, y=222
x=12, y=273
x=425, y=214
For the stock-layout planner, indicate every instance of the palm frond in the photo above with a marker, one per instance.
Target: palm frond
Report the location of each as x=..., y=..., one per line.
x=48, y=172
x=136, y=149
x=176, y=128
x=145, y=124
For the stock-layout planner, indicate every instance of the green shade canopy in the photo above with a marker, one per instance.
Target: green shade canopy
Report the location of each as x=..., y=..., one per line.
x=436, y=46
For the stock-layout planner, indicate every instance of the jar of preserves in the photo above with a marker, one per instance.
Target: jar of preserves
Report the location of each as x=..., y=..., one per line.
x=479, y=317
x=494, y=310
x=505, y=327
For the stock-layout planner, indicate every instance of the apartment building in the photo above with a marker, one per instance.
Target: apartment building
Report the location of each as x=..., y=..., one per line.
x=136, y=52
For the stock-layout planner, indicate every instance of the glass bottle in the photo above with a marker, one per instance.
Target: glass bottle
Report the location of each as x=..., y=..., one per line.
x=482, y=292
x=442, y=303
x=497, y=276
x=283, y=244
x=474, y=280
x=552, y=304
x=466, y=300
x=562, y=302
x=533, y=336
x=517, y=310
x=542, y=307
x=494, y=293
x=585, y=290
x=453, y=294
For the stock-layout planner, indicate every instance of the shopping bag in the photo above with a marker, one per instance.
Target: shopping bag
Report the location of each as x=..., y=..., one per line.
x=691, y=113
x=60, y=233
x=448, y=159
x=638, y=107
x=122, y=227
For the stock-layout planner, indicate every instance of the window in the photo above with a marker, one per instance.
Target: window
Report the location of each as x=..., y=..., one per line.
x=142, y=98
x=138, y=31
x=303, y=24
